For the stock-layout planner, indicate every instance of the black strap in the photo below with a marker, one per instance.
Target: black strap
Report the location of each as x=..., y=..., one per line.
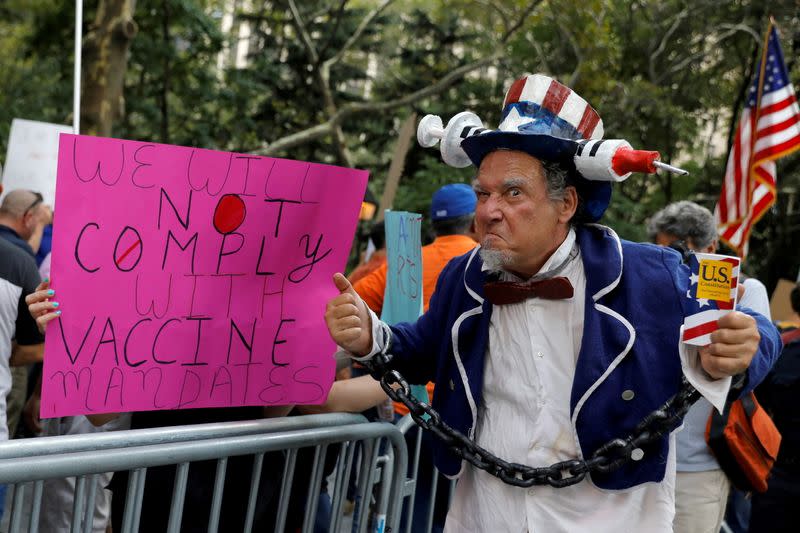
x=749, y=404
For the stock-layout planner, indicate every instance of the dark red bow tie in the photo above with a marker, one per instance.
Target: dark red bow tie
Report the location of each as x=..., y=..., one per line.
x=509, y=292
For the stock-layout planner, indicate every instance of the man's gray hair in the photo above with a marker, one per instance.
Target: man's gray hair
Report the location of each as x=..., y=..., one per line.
x=556, y=179
x=685, y=220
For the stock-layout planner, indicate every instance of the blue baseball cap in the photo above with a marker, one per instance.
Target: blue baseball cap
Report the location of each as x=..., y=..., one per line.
x=453, y=200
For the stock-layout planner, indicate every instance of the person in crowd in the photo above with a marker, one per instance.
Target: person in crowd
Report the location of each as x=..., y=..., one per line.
x=58, y=493
x=23, y=217
x=773, y=511
x=20, y=340
x=555, y=336
x=452, y=212
x=793, y=320
x=375, y=255
x=702, y=488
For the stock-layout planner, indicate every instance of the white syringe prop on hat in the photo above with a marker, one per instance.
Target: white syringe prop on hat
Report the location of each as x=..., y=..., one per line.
x=461, y=126
x=611, y=160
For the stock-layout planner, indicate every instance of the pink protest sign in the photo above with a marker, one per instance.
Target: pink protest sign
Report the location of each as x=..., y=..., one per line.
x=192, y=278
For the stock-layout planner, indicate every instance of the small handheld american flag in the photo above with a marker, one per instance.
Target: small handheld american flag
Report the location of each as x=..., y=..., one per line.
x=713, y=291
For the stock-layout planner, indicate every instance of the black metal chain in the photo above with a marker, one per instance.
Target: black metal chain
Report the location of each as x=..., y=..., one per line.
x=607, y=458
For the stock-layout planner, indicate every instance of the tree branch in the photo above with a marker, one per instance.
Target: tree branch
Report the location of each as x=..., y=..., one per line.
x=301, y=29
x=431, y=90
x=322, y=74
x=663, y=43
x=573, y=79
x=745, y=28
x=504, y=15
x=333, y=125
x=365, y=22
x=523, y=16
x=677, y=67
x=326, y=128
x=334, y=31
x=542, y=56
x=296, y=139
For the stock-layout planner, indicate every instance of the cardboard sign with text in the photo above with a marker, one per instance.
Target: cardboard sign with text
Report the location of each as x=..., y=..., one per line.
x=192, y=278
x=402, y=300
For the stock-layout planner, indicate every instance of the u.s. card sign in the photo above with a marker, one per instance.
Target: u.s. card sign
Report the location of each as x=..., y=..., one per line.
x=192, y=278
x=714, y=288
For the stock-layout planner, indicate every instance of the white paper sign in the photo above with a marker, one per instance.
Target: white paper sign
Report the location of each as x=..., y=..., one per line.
x=32, y=157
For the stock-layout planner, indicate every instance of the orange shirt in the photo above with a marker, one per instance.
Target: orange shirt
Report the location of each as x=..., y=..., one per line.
x=434, y=258
x=377, y=260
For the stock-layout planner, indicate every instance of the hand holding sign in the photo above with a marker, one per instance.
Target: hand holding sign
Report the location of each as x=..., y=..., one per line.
x=732, y=346
x=348, y=319
x=40, y=305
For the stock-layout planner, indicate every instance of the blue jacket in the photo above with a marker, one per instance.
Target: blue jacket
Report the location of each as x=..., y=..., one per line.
x=635, y=304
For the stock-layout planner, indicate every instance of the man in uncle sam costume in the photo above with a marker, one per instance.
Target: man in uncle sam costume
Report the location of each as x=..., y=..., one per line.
x=554, y=336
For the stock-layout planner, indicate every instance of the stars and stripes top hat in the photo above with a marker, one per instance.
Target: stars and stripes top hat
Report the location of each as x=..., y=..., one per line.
x=539, y=105
x=551, y=122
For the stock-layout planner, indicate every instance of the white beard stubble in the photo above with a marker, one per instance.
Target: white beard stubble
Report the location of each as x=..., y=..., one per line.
x=494, y=259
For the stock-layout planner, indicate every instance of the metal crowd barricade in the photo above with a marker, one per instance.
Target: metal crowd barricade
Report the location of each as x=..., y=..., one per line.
x=32, y=461
x=405, y=424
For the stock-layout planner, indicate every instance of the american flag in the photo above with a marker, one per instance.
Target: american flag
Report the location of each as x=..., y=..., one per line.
x=713, y=291
x=769, y=129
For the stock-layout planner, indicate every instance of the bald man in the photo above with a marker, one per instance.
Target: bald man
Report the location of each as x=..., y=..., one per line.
x=23, y=217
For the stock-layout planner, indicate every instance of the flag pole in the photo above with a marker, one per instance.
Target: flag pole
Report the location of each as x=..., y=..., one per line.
x=760, y=92
x=751, y=178
x=76, y=90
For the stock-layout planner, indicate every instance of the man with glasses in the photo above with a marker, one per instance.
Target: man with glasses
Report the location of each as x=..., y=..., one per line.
x=701, y=487
x=23, y=217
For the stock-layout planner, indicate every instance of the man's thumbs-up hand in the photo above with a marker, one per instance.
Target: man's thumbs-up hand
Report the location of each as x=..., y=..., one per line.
x=348, y=320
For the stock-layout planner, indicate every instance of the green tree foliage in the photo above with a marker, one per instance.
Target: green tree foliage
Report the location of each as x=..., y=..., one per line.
x=35, y=62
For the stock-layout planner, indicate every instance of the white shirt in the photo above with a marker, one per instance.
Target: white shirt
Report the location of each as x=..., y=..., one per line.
x=524, y=417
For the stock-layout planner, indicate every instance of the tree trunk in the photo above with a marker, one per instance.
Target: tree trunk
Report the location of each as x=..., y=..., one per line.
x=105, y=60
x=396, y=167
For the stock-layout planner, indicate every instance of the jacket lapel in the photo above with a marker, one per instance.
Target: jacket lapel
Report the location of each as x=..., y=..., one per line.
x=470, y=334
x=607, y=335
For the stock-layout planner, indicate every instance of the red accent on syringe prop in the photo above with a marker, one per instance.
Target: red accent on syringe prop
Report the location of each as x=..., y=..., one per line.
x=626, y=160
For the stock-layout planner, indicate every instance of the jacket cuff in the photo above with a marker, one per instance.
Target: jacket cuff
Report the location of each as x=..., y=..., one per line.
x=713, y=390
x=381, y=335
